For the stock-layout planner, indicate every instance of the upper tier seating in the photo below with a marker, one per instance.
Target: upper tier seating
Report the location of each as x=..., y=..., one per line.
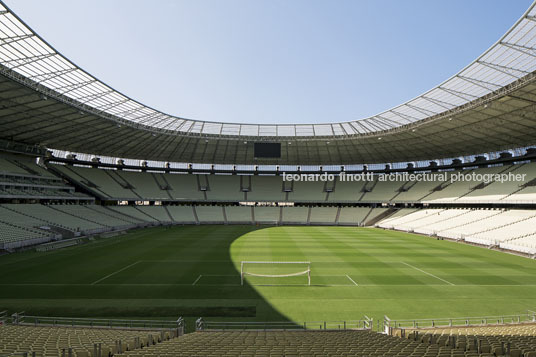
x=143, y=184
x=307, y=191
x=346, y=191
x=266, y=188
x=224, y=188
x=454, y=191
x=98, y=181
x=135, y=186
x=381, y=191
x=497, y=191
x=184, y=187
x=20, y=178
x=415, y=191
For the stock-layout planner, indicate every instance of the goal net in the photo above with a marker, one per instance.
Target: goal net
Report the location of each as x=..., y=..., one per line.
x=268, y=273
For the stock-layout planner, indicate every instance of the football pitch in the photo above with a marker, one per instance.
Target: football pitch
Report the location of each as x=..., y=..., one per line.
x=194, y=271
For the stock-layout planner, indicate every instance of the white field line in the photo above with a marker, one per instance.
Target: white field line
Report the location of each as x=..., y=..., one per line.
x=115, y=272
x=189, y=284
x=196, y=280
x=352, y=280
x=427, y=273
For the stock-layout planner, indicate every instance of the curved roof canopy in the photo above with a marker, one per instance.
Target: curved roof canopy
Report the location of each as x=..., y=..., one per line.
x=46, y=100
x=27, y=54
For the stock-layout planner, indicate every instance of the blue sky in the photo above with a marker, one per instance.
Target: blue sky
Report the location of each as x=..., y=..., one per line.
x=276, y=61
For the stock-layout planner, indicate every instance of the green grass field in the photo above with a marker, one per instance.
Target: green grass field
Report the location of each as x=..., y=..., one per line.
x=193, y=271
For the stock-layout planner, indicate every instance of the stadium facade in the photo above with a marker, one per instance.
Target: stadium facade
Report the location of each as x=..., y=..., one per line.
x=486, y=107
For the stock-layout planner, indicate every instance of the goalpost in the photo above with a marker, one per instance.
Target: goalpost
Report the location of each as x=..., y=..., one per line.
x=283, y=270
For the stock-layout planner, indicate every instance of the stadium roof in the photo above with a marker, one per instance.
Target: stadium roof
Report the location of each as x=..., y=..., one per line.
x=47, y=100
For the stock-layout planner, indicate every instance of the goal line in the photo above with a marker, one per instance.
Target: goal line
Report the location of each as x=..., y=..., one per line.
x=266, y=273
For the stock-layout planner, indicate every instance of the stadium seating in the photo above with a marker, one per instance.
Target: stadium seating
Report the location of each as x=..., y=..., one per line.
x=130, y=185
x=22, y=179
x=266, y=188
x=209, y=214
x=346, y=191
x=295, y=215
x=353, y=215
x=307, y=191
x=15, y=340
x=497, y=191
x=416, y=191
x=267, y=214
x=510, y=225
x=97, y=181
x=323, y=215
x=451, y=192
x=184, y=187
x=134, y=212
x=487, y=227
x=381, y=191
x=495, y=340
x=182, y=214
x=159, y=213
x=291, y=343
x=526, y=244
x=224, y=188
x=239, y=214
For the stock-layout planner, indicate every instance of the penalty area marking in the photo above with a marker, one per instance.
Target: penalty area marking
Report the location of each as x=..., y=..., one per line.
x=115, y=272
x=352, y=280
x=427, y=273
x=196, y=280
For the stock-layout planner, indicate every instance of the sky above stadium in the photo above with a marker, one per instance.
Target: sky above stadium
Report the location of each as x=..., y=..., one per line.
x=277, y=61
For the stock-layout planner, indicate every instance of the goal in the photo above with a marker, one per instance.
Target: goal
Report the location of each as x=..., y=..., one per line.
x=275, y=270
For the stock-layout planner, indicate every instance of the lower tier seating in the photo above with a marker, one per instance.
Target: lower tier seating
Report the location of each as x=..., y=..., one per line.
x=15, y=340
x=290, y=343
x=499, y=340
x=510, y=229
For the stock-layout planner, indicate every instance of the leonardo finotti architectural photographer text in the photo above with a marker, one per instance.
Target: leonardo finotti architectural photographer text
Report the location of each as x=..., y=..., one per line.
x=402, y=177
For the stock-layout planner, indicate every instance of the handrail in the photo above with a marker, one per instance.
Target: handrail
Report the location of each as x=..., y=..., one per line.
x=390, y=324
x=21, y=318
x=365, y=324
